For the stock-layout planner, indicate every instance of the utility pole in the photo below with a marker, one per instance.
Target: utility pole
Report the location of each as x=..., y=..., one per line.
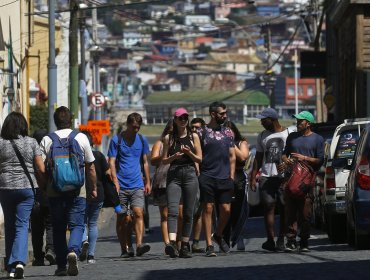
x=98, y=115
x=296, y=79
x=270, y=80
x=52, y=69
x=73, y=61
x=83, y=93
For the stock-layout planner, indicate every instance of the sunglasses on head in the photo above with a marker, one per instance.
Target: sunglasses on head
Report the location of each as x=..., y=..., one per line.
x=183, y=118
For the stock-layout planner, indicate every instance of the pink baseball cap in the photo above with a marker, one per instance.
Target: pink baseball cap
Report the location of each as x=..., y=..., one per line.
x=181, y=111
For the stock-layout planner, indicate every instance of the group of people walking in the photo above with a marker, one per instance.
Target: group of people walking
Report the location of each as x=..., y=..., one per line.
x=199, y=183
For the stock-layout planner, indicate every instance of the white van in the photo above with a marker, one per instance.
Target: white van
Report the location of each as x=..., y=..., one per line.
x=342, y=149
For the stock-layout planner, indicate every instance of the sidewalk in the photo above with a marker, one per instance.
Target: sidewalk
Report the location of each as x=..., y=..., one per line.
x=104, y=217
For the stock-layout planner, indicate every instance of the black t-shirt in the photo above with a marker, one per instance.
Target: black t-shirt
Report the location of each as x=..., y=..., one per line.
x=101, y=166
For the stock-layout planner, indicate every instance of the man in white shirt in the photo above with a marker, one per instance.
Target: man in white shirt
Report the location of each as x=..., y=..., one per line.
x=68, y=208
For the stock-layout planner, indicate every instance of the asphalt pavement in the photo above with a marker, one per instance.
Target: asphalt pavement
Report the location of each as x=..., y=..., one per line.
x=325, y=261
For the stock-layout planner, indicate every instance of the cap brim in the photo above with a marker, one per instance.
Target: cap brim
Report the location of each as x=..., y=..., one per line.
x=260, y=117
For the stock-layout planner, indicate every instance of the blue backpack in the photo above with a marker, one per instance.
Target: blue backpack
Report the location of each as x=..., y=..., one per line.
x=66, y=163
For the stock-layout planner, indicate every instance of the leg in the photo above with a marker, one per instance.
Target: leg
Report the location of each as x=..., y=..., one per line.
x=180, y=219
x=49, y=247
x=76, y=223
x=146, y=215
x=23, y=201
x=163, y=210
x=207, y=222
x=93, y=226
x=37, y=230
x=173, y=201
x=224, y=210
x=59, y=221
x=305, y=214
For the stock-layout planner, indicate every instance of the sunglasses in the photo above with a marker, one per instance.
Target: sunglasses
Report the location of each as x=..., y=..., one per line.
x=183, y=118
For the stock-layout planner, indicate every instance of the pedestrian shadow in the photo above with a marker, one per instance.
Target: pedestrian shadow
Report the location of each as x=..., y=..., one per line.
x=302, y=271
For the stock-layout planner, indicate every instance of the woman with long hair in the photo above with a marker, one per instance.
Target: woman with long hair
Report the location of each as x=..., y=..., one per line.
x=242, y=153
x=182, y=151
x=17, y=192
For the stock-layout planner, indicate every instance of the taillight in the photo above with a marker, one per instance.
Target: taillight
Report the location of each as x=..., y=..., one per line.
x=363, y=174
x=329, y=177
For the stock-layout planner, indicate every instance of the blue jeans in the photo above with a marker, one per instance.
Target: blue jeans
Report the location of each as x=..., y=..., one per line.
x=67, y=210
x=92, y=215
x=17, y=207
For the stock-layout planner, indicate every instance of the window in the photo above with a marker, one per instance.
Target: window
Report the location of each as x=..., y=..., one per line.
x=310, y=91
x=291, y=91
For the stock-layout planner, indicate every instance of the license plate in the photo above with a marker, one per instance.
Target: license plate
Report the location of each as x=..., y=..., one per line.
x=340, y=206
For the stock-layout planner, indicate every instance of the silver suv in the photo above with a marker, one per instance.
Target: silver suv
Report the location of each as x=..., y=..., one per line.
x=343, y=147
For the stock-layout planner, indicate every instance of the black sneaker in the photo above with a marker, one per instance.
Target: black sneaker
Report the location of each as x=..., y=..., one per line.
x=131, y=251
x=91, y=259
x=38, y=262
x=291, y=246
x=269, y=245
x=185, y=252
x=171, y=249
x=303, y=246
x=280, y=246
x=84, y=249
x=50, y=257
x=61, y=272
x=142, y=249
x=210, y=251
x=195, y=248
x=221, y=243
x=125, y=255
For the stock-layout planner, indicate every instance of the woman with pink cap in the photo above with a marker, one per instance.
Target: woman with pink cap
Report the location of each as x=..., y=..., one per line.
x=182, y=151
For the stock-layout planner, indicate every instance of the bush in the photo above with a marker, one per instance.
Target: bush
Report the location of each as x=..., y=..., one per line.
x=38, y=118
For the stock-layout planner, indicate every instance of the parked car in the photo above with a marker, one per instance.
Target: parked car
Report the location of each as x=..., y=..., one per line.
x=357, y=194
x=326, y=130
x=342, y=149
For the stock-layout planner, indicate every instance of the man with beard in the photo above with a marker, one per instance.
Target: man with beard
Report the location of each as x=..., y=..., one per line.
x=308, y=147
x=216, y=178
x=270, y=145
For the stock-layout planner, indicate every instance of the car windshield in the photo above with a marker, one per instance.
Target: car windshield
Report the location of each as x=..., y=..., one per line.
x=347, y=144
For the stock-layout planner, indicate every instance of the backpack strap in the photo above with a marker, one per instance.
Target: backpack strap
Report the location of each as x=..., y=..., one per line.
x=142, y=154
x=53, y=136
x=119, y=142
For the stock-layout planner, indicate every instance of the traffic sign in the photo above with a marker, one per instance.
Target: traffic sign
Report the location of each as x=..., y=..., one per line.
x=97, y=99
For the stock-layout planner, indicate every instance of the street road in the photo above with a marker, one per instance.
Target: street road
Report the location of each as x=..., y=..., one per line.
x=325, y=261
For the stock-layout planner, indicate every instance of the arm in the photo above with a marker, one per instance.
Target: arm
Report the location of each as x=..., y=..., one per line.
x=156, y=157
x=147, y=187
x=232, y=159
x=197, y=156
x=242, y=152
x=112, y=167
x=257, y=163
x=40, y=172
x=166, y=159
x=91, y=177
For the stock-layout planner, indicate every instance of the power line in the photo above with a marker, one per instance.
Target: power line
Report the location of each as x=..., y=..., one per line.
x=8, y=3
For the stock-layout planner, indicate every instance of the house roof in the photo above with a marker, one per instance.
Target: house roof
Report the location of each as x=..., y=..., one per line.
x=235, y=58
x=249, y=97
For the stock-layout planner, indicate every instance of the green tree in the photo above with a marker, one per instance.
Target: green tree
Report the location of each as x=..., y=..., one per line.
x=38, y=118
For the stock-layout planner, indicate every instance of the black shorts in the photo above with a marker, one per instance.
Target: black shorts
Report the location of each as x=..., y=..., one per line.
x=270, y=190
x=214, y=190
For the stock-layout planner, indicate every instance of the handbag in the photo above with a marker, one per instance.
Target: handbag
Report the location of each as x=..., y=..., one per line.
x=111, y=198
x=301, y=180
x=36, y=204
x=253, y=197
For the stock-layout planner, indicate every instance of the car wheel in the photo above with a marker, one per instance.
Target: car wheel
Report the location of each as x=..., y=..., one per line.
x=336, y=228
x=350, y=232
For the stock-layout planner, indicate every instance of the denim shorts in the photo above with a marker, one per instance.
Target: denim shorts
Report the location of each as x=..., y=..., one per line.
x=131, y=198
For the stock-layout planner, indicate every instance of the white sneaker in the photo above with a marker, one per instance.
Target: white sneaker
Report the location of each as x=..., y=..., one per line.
x=10, y=275
x=19, y=271
x=72, y=269
x=240, y=245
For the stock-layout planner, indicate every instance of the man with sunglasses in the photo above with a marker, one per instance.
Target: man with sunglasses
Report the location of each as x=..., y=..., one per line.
x=126, y=151
x=216, y=175
x=270, y=145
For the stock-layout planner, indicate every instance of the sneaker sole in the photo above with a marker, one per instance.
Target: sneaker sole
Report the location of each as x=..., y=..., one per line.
x=143, y=249
x=226, y=250
x=50, y=258
x=170, y=251
x=84, y=249
x=211, y=255
x=19, y=272
x=72, y=265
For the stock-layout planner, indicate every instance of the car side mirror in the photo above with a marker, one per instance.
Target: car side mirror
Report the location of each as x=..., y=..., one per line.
x=341, y=163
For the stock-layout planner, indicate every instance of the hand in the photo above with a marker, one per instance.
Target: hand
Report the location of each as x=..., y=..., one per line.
x=185, y=149
x=298, y=157
x=177, y=155
x=147, y=188
x=253, y=184
x=93, y=194
x=281, y=168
